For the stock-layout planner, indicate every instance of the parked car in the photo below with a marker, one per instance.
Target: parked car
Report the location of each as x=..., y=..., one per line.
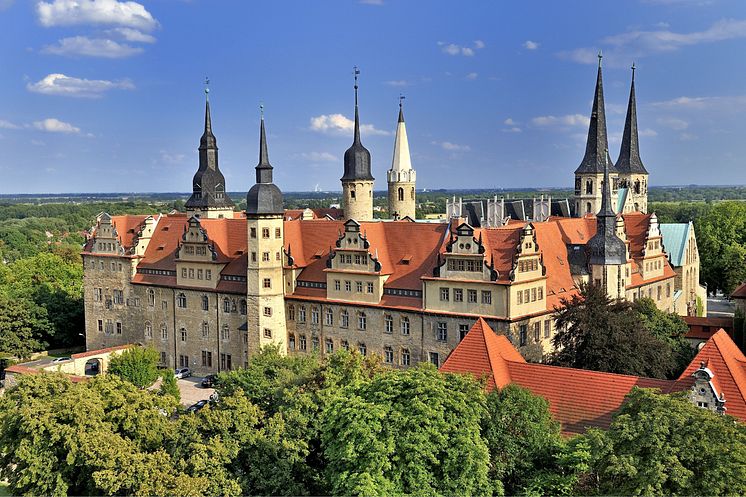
x=196, y=407
x=209, y=381
x=62, y=359
x=183, y=373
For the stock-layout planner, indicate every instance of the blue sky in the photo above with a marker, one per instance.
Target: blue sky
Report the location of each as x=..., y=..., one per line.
x=104, y=96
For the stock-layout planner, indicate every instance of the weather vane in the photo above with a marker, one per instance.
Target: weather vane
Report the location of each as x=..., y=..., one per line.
x=401, y=99
x=356, y=72
x=261, y=109
x=633, y=71
x=600, y=56
x=207, y=85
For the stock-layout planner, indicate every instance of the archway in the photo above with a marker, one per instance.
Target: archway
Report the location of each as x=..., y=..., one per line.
x=93, y=367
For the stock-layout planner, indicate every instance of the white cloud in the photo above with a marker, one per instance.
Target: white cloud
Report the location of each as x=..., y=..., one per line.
x=472, y=76
x=640, y=43
x=59, y=84
x=397, y=82
x=530, y=45
x=52, y=125
x=8, y=125
x=337, y=124
x=318, y=157
x=647, y=132
x=729, y=103
x=96, y=12
x=566, y=120
x=172, y=158
x=133, y=35
x=509, y=122
x=453, y=49
x=452, y=147
x=673, y=123
x=91, y=47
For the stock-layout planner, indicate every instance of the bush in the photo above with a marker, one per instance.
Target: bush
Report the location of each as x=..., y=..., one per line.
x=137, y=365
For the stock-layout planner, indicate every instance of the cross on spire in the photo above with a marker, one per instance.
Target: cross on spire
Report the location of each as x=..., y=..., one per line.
x=600, y=56
x=207, y=88
x=633, y=72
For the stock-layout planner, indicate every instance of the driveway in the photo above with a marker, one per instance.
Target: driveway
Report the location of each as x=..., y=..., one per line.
x=719, y=307
x=192, y=392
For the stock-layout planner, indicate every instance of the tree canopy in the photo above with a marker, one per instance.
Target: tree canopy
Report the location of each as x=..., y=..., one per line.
x=138, y=365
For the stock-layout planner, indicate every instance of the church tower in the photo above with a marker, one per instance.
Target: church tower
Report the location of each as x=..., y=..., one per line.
x=590, y=173
x=607, y=253
x=401, y=176
x=209, y=198
x=357, y=181
x=264, y=279
x=632, y=173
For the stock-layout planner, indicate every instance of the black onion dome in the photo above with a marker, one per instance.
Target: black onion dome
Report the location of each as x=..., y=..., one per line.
x=357, y=157
x=605, y=247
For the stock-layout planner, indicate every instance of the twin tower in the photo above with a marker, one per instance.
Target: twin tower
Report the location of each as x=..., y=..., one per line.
x=357, y=181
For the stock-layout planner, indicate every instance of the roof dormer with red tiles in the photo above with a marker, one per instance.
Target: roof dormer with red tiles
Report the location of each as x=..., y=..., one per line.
x=528, y=287
x=196, y=257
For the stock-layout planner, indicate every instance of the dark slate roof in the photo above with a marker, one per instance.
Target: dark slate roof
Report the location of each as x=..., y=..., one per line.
x=264, y=197
x=208, y=184
x=605, y=247
x=357, y=157
x=629, y=156
x=597, y=145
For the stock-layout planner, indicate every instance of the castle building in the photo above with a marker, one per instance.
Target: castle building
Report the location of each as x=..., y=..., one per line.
x=401, y=177
x=210, y=287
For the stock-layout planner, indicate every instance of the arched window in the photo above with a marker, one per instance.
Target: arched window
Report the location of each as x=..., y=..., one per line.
x=401, y=194
x=164, y=332
x=588, y=208
x=589, y=187
x=344, y=319
x=411, y=193
x=205, y=303
x=205, y=330
x=388, y=323
x=637, y=187
x=329, y=319
x=225, y=333
x=181, y=301
x=183, y=333
x=404, y=325
x=151, y=297
x=148, y=329
x=242, y=307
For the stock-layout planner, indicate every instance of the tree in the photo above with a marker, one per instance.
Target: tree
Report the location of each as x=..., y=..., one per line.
x=521, y=436
x=598, y=334
x=22, y=326
x=415, y=431
x=667, y=327
x=169, y=385
x=665, y=445
x=138, y=365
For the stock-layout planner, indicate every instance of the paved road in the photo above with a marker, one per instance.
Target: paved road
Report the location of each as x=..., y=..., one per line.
x=192, y=392
x=718, y=307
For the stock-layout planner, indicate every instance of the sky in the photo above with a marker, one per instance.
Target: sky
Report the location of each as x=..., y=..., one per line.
x=108, y=96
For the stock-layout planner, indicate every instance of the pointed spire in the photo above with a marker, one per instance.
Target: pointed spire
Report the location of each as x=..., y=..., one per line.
x=629, y=155
x=402, y=161
x=605, y=247
x=357, y=113
x=264, y=168
x=208, y=139
x=597, y=143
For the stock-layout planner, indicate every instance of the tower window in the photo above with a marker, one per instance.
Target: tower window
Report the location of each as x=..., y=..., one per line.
x=265, y=232
x=589, y=187
x=352, y=193
x=401, y=194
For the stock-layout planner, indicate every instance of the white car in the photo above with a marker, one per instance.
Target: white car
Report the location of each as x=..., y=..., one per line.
x=62, y=359
x=183, y=373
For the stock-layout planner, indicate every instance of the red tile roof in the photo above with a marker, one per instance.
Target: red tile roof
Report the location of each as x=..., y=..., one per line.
x=705, y=327
x=740, y=292
x=724, y=358
x=580, y=399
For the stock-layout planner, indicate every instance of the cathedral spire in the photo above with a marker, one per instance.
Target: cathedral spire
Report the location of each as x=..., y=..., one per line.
x=596, y=148
x=629, y=155
x=264, y=198
x=208, y=140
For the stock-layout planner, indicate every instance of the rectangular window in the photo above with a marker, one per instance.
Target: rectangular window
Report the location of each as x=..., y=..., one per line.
x=183, y=335
x=265, y=232
x=119, y=328
x=526, y=295
x=658, y=293
x=441, y=333
x=314, y=315
x=471, y=296
x=253, y=257
x=315, y=343
x=208, y=274
x=329, y=345
x=337, y=285
x=405, y=326
x=267, y=333
x=537, y=331
x=547, y=328
x=370, y=287
x=163, y=358
x=541, y=293
x=520, y=297
x=118, y=297
x=388, y=355
x=267, y=283
x=253, y=232
x=302, y=342
x=344, y=319
x=458, y=295
x=359, y=286
x=302, y=314
x=329, y=317
x=405, y=357
x=362, y=321
x=291, y=342
x=265, y=256
x=225, y=361
x=357, y=258
x=278, y=233
x=486, y=297
x=348, y=286
x=291, y=313
x=435, y=359
x=388, y=324
x=101, y=325
x=206, y=358
x=445, y=294
x=362, y=349
x=522, y=332
x=533, y=295
x=463, y=329
x=97, y=294
x=345, y=344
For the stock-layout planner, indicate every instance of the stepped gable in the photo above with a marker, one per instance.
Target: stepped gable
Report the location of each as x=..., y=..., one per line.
x=127, y=227
x=578, y=399
x=723, y=357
